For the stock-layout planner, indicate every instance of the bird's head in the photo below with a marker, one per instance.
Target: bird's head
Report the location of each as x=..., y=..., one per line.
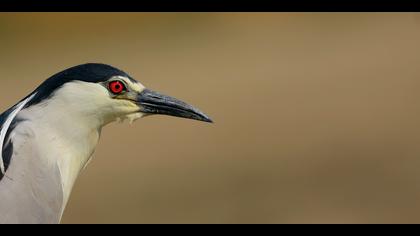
x=106, y=93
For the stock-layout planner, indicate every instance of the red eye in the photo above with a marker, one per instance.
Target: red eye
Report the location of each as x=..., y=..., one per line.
x=116, y=87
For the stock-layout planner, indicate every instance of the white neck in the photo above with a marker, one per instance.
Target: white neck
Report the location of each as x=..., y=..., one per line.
x=63, y=139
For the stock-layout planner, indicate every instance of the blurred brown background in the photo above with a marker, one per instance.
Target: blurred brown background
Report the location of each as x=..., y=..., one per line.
x=317, y=116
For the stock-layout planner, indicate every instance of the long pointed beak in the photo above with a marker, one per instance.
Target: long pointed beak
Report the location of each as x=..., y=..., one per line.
x=151, y=102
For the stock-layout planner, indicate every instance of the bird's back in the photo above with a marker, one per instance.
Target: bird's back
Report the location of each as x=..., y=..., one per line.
x=30, y=191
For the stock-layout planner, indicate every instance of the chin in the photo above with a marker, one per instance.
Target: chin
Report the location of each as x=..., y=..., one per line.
x=130, y=117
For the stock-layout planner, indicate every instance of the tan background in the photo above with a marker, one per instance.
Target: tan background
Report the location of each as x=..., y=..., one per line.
x=317, y=115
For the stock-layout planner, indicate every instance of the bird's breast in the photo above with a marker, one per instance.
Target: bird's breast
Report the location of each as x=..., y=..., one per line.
x=48, y=156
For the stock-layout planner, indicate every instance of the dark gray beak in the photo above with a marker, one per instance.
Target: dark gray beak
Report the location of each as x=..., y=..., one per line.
x=151, y=102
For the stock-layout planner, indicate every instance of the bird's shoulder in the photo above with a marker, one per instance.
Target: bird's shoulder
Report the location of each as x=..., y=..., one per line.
x=8, y=122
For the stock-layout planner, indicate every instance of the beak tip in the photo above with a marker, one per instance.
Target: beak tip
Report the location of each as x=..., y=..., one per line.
x=203, y=117
x=208, y=120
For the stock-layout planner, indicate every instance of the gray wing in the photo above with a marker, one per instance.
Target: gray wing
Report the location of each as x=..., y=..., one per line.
x=6, y=121
x=30, y=191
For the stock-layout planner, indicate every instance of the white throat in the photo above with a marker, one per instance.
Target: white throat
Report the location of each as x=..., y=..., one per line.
x=63, y=139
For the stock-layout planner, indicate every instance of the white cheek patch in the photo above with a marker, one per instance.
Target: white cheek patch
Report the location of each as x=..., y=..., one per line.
x=92, y=101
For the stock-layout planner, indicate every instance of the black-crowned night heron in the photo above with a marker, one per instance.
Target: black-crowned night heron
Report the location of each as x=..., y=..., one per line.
x=49, y=136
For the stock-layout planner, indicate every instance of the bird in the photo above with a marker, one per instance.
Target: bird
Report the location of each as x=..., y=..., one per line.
x=49, y=137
